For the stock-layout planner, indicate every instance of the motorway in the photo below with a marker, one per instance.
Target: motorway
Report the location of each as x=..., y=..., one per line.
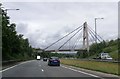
x=39, y=68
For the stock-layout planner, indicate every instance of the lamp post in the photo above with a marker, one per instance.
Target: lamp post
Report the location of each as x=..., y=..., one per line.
x=96, y=28
x=96, y=31
x=10, y=9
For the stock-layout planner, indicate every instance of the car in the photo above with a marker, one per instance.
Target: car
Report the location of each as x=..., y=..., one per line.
x=54, y=61
x=109, y=58
x=44, y=59
x=38, y=57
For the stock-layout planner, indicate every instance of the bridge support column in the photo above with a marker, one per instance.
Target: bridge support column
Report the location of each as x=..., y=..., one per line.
x=85, y=37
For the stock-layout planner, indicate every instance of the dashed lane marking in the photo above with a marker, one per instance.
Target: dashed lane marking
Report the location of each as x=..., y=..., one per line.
x=42, y=70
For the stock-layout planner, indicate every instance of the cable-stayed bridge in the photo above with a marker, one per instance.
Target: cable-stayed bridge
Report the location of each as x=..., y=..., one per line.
x=77, y=40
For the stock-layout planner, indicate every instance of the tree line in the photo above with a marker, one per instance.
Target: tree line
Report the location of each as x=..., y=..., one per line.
x=14, y=46
x=104, y=46
x=111, y=47
x=60, y=55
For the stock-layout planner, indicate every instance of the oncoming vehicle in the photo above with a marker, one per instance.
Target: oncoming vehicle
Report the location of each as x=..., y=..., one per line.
x=44, y=59
x=38, y=57
x=54, y=61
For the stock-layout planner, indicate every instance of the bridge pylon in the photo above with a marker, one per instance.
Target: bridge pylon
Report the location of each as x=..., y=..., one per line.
x=85, y=37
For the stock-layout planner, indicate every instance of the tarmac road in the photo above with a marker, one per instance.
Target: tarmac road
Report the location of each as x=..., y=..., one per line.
x=39, y=68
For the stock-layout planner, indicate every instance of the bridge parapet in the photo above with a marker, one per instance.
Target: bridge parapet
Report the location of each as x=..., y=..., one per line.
x=64, y=50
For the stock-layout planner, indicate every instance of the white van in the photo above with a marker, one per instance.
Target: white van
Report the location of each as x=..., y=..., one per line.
x=105, y=56
x=38, y=57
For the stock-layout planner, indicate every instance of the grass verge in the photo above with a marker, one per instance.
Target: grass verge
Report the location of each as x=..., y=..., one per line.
x=107, y=67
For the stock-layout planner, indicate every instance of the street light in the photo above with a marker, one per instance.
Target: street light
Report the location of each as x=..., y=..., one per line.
x=10, y=9
x=96, y=29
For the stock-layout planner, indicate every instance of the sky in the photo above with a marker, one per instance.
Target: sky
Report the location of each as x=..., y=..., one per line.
x=45, y=22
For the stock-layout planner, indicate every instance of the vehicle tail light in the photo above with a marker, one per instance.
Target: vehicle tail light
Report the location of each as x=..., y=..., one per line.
x=58, y=60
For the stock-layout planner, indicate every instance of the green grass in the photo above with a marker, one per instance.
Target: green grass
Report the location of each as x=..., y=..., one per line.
x=106, y=67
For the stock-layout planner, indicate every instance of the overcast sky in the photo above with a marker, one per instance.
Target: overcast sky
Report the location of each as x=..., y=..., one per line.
x=45, y=22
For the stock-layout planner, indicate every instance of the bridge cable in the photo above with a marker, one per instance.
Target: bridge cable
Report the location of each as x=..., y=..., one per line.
x=92, y=36
x=69, y=39
x=62, y=37
x=91, y=40
x=96, y=33
x=78, y=39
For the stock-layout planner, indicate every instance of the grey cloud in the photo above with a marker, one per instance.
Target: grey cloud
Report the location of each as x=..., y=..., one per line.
x=22, y=28
x=44, y=23
x=119, y=19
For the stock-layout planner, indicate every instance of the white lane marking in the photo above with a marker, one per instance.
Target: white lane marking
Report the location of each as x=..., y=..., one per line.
x=25, y=62
x=14, y=66
x=80, y=71
x=42, y=70
x=8, y=68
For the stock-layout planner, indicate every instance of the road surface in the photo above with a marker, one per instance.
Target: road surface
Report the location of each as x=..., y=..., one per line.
x=39, y=68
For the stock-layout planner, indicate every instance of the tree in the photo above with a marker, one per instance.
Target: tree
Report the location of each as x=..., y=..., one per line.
x=14, y=46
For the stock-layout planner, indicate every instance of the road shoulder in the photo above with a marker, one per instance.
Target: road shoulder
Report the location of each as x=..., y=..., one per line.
x=100, y=74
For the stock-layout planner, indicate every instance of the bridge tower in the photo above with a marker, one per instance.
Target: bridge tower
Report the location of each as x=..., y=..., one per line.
x=85, y=37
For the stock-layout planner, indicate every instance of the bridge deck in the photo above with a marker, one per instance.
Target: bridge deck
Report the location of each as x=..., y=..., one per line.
x=64, y=50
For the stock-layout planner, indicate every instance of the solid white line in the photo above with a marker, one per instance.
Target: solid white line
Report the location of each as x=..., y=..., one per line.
x=42, y=70
x=80, y=71
x=8, y=68
x=14, y=66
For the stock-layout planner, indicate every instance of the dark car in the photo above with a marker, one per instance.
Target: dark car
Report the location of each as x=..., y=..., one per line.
x=54, y=61
x=44, y=59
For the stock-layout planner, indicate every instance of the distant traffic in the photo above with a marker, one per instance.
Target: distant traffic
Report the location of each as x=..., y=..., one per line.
x=52, y=61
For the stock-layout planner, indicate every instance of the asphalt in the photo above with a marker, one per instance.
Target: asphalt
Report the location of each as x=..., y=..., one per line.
x=39, y=68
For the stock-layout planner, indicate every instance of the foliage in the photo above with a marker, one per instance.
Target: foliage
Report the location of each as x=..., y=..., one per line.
x=13, y=45
x=60, y=55
x=111, y=47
